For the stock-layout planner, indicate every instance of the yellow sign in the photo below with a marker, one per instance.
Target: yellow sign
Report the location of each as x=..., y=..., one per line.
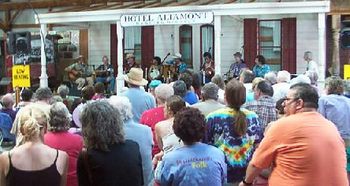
x=346, y=72
x=21, y=76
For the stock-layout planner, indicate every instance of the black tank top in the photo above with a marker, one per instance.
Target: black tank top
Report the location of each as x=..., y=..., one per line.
x=46, y=177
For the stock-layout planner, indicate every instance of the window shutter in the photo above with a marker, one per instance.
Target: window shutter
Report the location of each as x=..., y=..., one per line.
x=250, y=41
x=114, y=48
x=147, y=46
x=289, y=51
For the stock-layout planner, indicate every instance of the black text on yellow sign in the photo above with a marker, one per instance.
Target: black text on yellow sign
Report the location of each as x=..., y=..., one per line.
x=21, y=76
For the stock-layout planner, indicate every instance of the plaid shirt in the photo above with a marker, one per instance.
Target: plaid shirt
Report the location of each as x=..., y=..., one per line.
x=264, y=107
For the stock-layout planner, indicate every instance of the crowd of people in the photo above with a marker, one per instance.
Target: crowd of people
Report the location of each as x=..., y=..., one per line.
x=259, y=128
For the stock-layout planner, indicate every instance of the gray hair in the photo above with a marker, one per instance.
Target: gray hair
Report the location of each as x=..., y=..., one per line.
x=247, y=75
x=300, y=79
x=217, y=79
x=210, y=91
x=59, y=117
x=123, y=105
x=8, y=100
x=308, y=55
x=63, y=91
x=347, y=86
x=283, y=76
x=43, y=94
x=271, y=77
x=163, y=91
x=180, y=88
x=101, y=125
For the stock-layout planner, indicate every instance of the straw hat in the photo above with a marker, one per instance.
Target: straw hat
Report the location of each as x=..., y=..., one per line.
x=130, y=55
x=135, y=77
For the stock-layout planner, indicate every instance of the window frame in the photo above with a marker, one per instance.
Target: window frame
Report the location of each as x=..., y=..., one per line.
x=181, y=29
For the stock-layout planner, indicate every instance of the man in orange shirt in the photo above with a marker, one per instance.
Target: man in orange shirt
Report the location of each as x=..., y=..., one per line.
x=303, y=148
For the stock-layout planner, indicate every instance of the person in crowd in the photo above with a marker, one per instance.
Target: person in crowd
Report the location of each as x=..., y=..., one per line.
x=105, y=74
x=208, y=67
x=155, y=70
x=237, y=67
x=311, y=65
x=33, y=163
x=180, y=89
x=43, y=99
x=26, y=98
x=63, y=92
x=263, y=105
x=139, y=133
x=271, y=77
x=140, y=100
x=195, y=163
x=347, y=88
x=190, y=97
x=5, y=127
x=209, y=99
x=304, y=148
x=166, y=139
x=180, y=65
x=130, y=63
x=313, y=76
x=8, y=102
x=80, y=73
x=87, y=94
x=301, y=78
x=59, y=138
x=282, y=86
x=260, y=68
x=197, y=83
x=234, y=130
x=152, y=116
x=336, y=107
x=99, y=91
x=217, y=79
x=152, y=86
x=247, y=77
x=110, y=159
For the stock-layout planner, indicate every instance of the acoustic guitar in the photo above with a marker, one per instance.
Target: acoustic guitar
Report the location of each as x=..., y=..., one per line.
x=74, y=75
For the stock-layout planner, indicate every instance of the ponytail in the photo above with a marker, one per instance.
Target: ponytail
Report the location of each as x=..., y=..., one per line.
x=240, y=124
x=31, y=121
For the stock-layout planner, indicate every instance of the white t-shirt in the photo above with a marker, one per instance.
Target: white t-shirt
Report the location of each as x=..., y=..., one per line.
x=312, y=66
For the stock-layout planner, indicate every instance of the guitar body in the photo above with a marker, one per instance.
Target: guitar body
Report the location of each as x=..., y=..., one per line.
x=73, y=75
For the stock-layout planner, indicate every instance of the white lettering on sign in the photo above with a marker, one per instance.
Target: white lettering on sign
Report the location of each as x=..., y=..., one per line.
x=167, y=19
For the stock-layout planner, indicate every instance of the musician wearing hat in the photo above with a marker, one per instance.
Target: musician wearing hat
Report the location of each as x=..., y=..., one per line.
x=140, y=100
x=179, y=64
x=130, y=62
x=80, y=73
x=237, y=66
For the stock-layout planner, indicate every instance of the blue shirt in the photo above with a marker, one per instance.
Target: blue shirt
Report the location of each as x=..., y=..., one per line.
x=260, y=71
x=5, y=126
x=191, y=98
x=193, y=165
x=142, y=135
x=140, y=101
x=336, y=108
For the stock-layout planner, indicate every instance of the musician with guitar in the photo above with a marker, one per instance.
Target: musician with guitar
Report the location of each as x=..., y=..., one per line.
x=154, y=72
x=104, y=74
x=80, y=73
x=208, y=67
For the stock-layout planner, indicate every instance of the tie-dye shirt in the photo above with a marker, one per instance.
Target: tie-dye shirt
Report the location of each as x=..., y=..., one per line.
x=237, y=149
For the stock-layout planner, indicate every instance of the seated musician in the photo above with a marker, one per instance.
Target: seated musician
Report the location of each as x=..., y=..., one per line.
x=179, y=64
x=80, y=73
x=104, y=74
x=130, y=63
x=237, y=67
x=154, y=72
x=208, y=67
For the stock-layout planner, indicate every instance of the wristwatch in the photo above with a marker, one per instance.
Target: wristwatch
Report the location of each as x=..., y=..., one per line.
x=246, y=183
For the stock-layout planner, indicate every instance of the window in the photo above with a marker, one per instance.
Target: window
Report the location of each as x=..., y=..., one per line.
x=186, y=44
x=132, y=42
x=207, y=40
x=270, y=42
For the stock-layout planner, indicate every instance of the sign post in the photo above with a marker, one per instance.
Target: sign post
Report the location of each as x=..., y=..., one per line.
x=20, y=78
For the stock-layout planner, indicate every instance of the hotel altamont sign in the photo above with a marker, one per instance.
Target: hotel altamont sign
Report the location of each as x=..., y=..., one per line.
x=175, y=18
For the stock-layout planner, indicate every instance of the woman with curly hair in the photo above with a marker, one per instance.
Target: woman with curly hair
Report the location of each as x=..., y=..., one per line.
x=33, y=163
x=195, y=163
x=235, y=131
x=109, y=158
x=59, y=138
